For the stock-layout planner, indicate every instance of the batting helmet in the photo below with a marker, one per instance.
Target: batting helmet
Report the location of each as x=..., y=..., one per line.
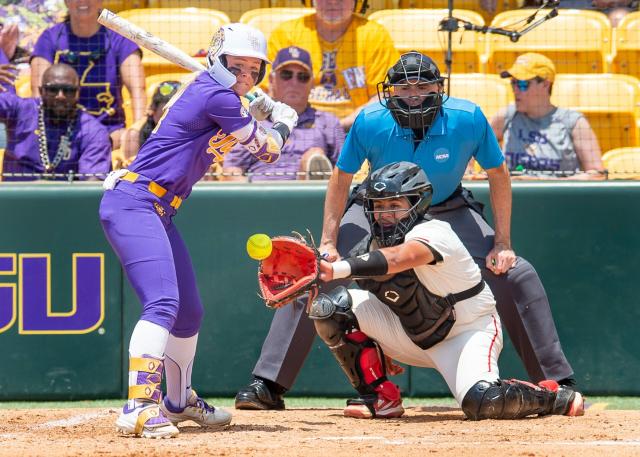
x=398, y=179
x=238, y=40
x=360, y=7
x=413, y=68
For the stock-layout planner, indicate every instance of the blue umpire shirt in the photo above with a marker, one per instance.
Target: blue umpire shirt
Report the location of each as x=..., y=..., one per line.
x=460, y=132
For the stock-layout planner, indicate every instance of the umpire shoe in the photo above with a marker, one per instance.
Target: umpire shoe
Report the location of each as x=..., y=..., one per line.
x=374, y=406
x=568, y=402
x=198, y=411
x=258, y=396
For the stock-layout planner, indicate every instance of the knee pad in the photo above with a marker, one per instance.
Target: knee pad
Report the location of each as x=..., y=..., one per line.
x=332, y=315
x=506, y=399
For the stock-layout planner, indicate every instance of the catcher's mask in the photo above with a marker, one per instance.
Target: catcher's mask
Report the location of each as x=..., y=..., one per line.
x=412, y=70
x=399, y=179
x=361, y=6
x=238, y=40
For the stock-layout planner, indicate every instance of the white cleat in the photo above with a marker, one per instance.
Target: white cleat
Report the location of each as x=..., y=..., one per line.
x=146, y=421
x=198, y=411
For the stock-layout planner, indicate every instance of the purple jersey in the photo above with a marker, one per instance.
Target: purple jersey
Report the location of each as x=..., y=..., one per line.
x=3, y=61
x=97, y=61
x=315, y=129
x=90, y=150
x=194, y=131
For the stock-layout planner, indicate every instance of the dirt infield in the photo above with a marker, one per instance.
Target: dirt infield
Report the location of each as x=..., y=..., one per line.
x=325, y=432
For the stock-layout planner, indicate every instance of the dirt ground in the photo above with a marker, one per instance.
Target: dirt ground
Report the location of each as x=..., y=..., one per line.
x=325, y=432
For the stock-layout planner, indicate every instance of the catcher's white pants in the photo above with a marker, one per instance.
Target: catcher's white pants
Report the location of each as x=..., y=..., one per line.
x=467, y=355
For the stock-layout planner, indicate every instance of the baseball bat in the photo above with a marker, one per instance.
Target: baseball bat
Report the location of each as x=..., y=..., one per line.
x=151, y=42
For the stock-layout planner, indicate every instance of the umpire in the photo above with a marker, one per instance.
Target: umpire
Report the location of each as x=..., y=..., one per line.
x=416, y=122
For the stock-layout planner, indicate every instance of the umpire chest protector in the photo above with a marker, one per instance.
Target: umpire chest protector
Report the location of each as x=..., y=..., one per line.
x=426, y=317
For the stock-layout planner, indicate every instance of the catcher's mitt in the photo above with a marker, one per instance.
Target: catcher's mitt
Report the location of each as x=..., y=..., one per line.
x=290, y=271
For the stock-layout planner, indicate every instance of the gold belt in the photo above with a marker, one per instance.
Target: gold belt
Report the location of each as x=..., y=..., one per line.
x=155, y=188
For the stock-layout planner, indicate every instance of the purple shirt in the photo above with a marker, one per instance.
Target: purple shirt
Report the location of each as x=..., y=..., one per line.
x=97, y=61
x=315, y=129
x=3, y=61
x=194, y=131
x=90, y=144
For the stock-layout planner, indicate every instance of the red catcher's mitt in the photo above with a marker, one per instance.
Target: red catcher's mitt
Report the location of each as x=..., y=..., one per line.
x=290, y=271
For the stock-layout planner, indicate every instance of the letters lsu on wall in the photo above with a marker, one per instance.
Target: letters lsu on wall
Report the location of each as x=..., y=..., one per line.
x=27, y=296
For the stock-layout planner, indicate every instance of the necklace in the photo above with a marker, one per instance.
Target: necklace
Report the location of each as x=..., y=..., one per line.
x=64, y=148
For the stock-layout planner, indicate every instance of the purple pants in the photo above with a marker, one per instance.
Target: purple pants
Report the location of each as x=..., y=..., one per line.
x=140, y=229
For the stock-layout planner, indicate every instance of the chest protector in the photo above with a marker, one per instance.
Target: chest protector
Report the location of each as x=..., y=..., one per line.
x=427, y=318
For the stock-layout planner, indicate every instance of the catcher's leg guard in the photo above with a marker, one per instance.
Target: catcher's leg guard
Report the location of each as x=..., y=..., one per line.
x=509, y=399
x=144, y=418
x=358, y=355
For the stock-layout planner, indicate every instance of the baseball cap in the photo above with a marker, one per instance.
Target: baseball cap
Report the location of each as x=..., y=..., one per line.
x=531, y=65
x=292, y=54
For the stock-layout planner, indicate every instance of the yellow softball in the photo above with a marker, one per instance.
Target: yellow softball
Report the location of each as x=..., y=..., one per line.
x=259, y=246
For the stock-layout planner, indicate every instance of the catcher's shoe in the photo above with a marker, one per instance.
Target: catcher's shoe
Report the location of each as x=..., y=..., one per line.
x=374, y=406
x=257, y=395
x=198, y=411
x=568, y=402
x=146, y=421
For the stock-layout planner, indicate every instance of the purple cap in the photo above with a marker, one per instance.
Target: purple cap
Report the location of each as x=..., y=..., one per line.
x=292, y=54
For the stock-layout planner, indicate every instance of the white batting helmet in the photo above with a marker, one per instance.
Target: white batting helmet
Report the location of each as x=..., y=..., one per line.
x=238, y=40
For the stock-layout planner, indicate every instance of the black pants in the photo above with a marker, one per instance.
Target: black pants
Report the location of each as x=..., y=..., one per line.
x=521, y=300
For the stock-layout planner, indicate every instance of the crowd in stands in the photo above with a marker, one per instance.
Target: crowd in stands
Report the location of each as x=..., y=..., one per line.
x=73, y=94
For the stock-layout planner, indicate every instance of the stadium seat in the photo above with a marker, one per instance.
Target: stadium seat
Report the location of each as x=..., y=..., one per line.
x=374, y=5
x=121, y=5
x=578, y=41
x=233, y=9
x=490, y=92
x=622, y=163
x=189, y=29
x=627, y=45
x=418, y=30
x=473, y=5
x=610, y=102
x=23, y=86
x=267, y=19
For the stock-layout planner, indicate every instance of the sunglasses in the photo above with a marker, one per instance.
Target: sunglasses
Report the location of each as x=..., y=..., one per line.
x=237, y=72
x=54, y=89
x=523, y=85
x=72, y=57
x=301, y=76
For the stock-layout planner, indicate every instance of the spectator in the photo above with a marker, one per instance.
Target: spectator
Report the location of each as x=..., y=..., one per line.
x=350, y=55
x=31, y=17
x=614, y=9
x=8, y=72
x=140, y=131
x=53, y=135
x=314, y=144
x=104, y=60
x=536, y=135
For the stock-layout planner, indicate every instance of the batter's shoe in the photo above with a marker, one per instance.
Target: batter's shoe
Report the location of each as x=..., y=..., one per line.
x=146, y=421
x=198, y=411
x=374, y=406
x=258, y=396
x=568, y=402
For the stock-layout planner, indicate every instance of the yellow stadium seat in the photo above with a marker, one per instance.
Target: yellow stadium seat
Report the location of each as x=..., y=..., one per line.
x=267, y=19
x=490, y=92
x=374, y=5
x=473, y=5
x=418, y=30
x=627, y=45
x=578, y=41
x=233, y=9
x=121, y=5
x=610, y=102
x=622, y=163
x=23, y=86
x=189, y=29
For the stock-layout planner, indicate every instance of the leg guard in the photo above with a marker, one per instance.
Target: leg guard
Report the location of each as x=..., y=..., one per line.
x=507, y=399
x=358, y=355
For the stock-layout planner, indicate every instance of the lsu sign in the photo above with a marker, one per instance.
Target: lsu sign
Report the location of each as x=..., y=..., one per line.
x=28, y=298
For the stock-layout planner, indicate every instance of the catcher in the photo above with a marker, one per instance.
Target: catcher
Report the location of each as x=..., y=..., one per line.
x=423, y=302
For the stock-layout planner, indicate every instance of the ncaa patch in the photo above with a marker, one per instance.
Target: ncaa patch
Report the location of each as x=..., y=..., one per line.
x=441, y=155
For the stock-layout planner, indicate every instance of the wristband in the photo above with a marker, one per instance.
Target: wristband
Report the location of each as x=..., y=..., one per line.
x=372, y=264
x=283, y=130
x=341, y=269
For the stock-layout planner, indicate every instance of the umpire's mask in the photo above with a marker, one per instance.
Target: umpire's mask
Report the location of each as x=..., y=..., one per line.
x=400, y=90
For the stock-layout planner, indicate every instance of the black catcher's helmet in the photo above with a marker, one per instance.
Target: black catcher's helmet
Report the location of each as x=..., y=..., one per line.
x=360, y=8
x=412, y=68
x=398, y=179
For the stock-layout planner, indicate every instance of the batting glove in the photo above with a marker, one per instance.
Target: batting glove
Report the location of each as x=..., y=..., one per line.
x=285, y=114
x=261, y=106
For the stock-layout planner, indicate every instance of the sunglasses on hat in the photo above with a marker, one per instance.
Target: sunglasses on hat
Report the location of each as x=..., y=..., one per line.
x=301, y=76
